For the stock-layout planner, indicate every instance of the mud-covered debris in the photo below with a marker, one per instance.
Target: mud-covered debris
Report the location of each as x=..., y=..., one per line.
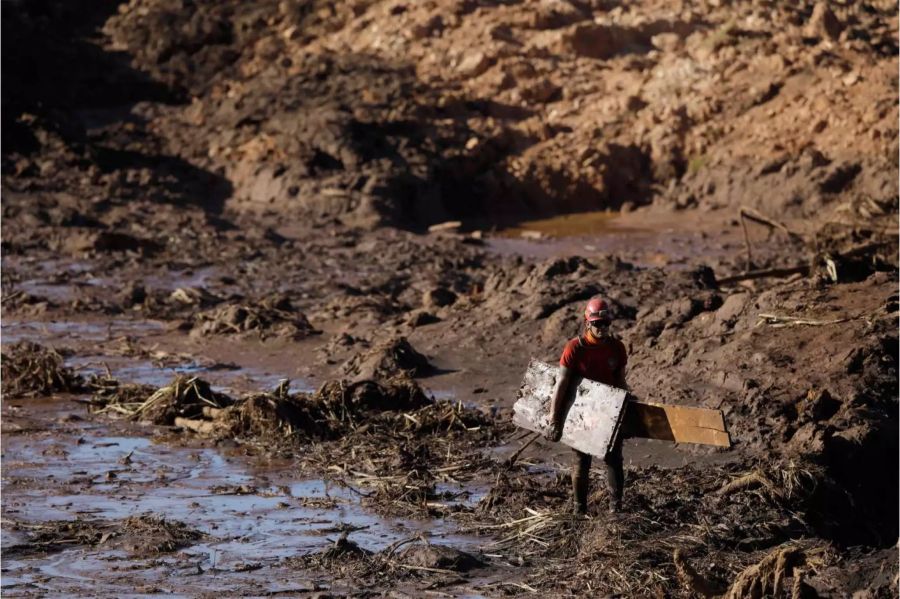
x=25, y=304
x=274, y=417
x=439, y=557
x=387, y=359
x=150, y=534
x=31, y=370
x=184, y=397
x=717, y=534
x=146, y=534
x=194, y=296
x=272, y=317
x=397, y=393
x=111, y=395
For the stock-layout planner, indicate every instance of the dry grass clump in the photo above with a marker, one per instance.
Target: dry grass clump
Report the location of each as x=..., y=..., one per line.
x=30, y=370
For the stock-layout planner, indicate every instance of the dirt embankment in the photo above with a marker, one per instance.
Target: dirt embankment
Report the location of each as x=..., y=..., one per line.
x=412, y=113
x=204, y=167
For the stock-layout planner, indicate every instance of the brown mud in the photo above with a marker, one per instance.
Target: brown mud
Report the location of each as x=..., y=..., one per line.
x=229, y=332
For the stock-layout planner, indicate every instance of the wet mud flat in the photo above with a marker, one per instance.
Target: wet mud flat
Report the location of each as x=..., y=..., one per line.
x=430, y=504
x=246, y=516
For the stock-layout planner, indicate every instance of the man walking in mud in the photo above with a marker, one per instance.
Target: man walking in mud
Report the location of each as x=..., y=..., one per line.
x=599, y=356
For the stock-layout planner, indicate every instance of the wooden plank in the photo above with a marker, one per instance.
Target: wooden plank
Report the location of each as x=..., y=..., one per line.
x=681, y=424
x=594, y=414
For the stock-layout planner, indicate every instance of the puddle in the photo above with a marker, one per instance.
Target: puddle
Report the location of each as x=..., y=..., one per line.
x=594, y=234
x=56, y=331
x=63, y=280
x=225, y=378
x=582, y=224
x=255, y=514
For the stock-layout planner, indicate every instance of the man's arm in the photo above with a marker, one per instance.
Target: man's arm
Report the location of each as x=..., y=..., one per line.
x=558, y=405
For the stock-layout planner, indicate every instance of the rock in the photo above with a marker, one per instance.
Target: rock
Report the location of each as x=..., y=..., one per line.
x=438, y=297
x=667, y=42
x=473, y=65
x=540, y=91
x=420, y=318
x=823, y=23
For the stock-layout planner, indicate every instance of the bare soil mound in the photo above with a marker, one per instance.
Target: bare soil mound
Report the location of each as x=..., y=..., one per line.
x=271, y=317
x=387, y=359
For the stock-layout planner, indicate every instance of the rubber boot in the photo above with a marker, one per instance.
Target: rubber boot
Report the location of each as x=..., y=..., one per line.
x=615, y=478
x=580, y=493
x=581, y=482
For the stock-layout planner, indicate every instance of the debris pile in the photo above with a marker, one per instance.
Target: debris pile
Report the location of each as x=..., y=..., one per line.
x=31, y=370
x=142, y=535
x=184, y=397
x=723, y=526
x=272, y=317
x=387, y=358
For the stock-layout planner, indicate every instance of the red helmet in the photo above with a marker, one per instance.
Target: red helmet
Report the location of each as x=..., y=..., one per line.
x=597, y=309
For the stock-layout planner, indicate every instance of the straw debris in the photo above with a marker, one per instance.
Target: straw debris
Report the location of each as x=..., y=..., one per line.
x=31, y=370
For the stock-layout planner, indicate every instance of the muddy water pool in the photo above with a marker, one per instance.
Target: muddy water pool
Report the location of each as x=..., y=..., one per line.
x=255, y=513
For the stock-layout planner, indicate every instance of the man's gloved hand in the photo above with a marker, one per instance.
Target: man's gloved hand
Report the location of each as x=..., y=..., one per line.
x=554, y=433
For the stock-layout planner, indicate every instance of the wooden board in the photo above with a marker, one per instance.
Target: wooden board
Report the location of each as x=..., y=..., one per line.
x=594, y=416
x=680, y=424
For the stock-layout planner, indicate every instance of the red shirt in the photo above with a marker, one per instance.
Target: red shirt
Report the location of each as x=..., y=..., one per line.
x=601, y=361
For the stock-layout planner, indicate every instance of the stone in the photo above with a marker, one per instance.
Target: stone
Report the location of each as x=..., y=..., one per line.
x=823, y=23
x=438, y=297
x=473, y=65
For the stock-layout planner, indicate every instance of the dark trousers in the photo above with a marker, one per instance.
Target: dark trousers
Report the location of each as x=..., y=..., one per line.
x=615, y=476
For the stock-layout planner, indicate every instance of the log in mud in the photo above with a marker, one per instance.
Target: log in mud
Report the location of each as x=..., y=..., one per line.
x=272, y=273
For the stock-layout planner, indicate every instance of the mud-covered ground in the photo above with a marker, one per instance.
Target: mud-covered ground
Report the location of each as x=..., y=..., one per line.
x=236, y=361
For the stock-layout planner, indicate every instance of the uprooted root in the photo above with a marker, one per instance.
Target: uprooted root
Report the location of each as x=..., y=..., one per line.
x=781, y=484
x=767, y=577
x=32, y=370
